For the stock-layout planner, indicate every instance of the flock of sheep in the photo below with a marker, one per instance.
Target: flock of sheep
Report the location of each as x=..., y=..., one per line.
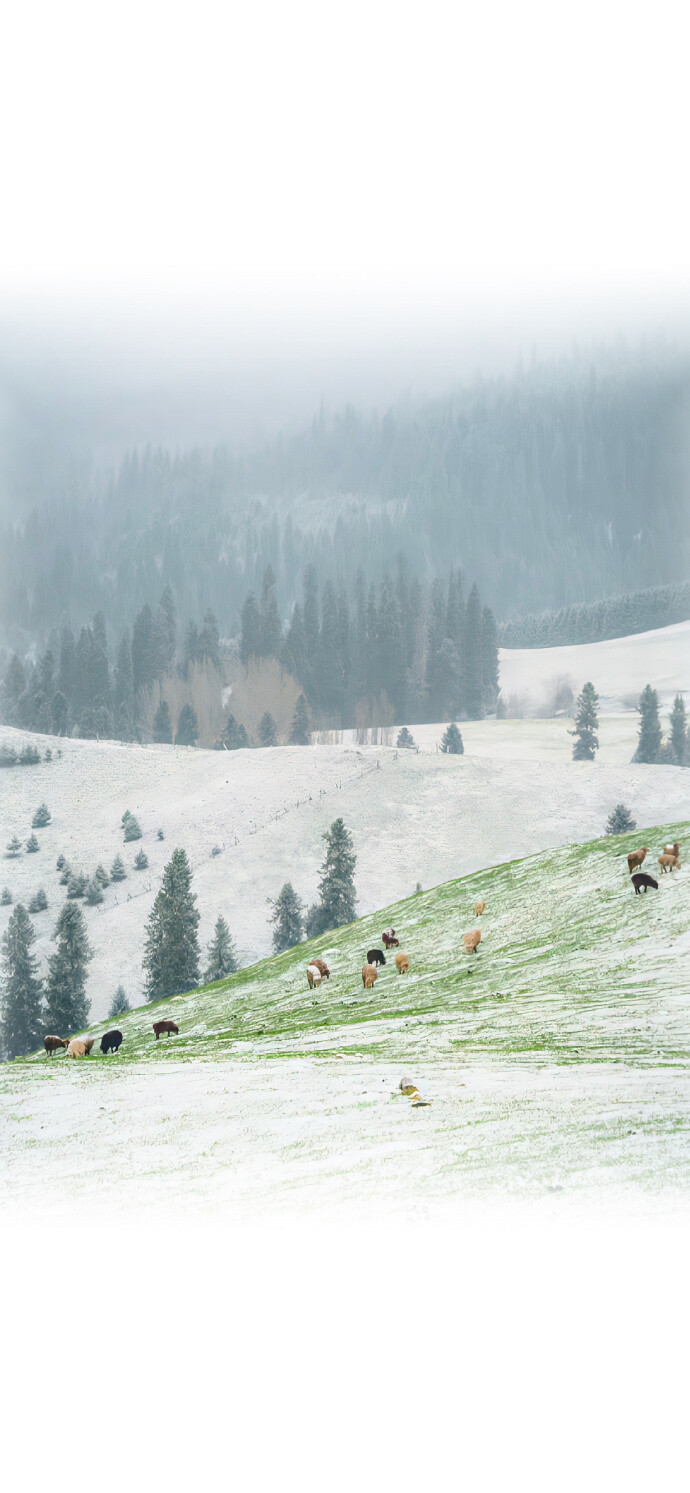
x=669, y=860
x=317, y=969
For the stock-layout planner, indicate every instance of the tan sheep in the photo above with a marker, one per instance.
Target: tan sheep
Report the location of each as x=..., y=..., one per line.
x=669, y=863
x=471, y=940
x=402, y=963
x=479, y=908
x=80, y=1047
x=369, y=975
x=672, y=849
x=314, y=975
x=636, y=858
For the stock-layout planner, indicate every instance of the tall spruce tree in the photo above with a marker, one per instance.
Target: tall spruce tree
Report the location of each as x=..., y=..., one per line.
x=119, y=1004
x=187, y=727
x=679, y=737
x=162, y=724
x=474, y=658
x=586, y=742
x=222, y=956
x=288, y=918
x=620, y=821
x=300, y=731
x=171, y=956
x=489, y=658
x=451, y=741
x=270, y=630
x=267, y=730
x=67, y=1009
x=21, y=1022
x=337, y=895
x=649, y=739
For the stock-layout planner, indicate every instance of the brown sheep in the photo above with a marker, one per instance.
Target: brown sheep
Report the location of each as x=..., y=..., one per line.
x=479, y=908
x=369, y=975
x=402, y=963
x=389, y=939
x=636, y=858
x=165, y=1026
x=53, y=1044
x=672, y=849
x=471, y=940
x=323, y=967
x=314, y=975
x=669, y=863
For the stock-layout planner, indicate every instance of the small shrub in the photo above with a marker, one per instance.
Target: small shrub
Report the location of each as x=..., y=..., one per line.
x=60, y=863
x=5, y=897
x=117, y=870
x=32, y=845
x=29, y=756
x=93, y=892
x=217, y=850
x=14, y=848
x=39, y=901
x=620, y=821
x=131, y=827
x=66, y=873
x=48, y=756
x=160, y=836
x=141, y=861
x=41, y=817
x=8, y=757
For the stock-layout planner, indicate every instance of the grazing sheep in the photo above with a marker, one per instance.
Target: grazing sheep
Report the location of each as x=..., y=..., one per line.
x=369, y=974
x=314, y=975
x=323, y=967
x=641, y=881
x=479, y=908
x=376, y=956
x=669, y=863
x=110, y=1041
x=636, y=858
x=78, y=1048
x=471, y=940
x=402, y=963
x=53, y=1044
x=389, y=940
x=672, y=849
x=165, y=1026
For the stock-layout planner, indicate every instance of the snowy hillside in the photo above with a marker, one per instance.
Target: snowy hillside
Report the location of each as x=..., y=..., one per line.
x=556, y=1059
x=618, y=668
x=414, y=817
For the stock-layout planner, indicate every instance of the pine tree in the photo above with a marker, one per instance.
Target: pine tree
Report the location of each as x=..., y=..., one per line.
x=94, y=892
x=187, y=727
x=5, y=897
x=405, y=739
x=59, y=709
x=649, y=740
x=586, y=742
x=119, y=1004
x=489, y=658
x=162, y=724
x=451, y=741
x=117, y=870
x=250, y=638
x=620, y=821
x=167, y=607
x=267, y=731
x=141, y=861
x=222, y=957
x=39, y=901
x=209, y=640
x=679, y=739
x=21, y=1024
x=77, y=884
x=300, y=731
x=131, y=827
x=270, y=630
x=144, y=660
x=67, y=1009
x=288, y=917
x=171, y=958
x=14, y=848
x=474, y=660
x=32, y=845
x=234, y=736
x=41, y=817
x=336, y=883
x=101, y=875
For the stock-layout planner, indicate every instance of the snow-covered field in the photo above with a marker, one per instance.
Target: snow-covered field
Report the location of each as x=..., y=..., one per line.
x=556, y=1060
x=617, y=668
x=415, y=817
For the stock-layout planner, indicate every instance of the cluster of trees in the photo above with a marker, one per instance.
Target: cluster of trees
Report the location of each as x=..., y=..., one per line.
x=32, y=1006
x=388, y=652
x=560, y=484
x=594, y=621
x=651, y=744
x=337, y=896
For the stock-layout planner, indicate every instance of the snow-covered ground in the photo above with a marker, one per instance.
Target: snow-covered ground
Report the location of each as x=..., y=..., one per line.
x=415, y=817
x=618, y=668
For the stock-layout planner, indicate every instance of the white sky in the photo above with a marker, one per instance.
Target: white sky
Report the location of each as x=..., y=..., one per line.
x=184, y=184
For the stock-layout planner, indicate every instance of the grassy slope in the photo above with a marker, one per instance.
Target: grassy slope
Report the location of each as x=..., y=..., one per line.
x=572, y=968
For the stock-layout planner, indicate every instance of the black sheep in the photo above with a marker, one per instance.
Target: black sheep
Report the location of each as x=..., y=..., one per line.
x=376, y=956
x=641, y=881
x=110, y=1041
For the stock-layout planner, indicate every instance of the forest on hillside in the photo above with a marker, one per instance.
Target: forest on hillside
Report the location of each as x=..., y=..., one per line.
x=564, y=484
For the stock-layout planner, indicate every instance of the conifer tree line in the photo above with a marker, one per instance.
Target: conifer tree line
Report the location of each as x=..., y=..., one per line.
x=397, y=649
x=595, y=621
